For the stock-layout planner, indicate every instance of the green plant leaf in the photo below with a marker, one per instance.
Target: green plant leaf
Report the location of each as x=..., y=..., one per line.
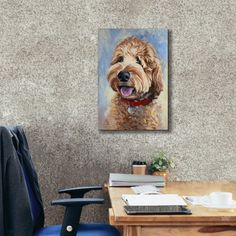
x=161, y=162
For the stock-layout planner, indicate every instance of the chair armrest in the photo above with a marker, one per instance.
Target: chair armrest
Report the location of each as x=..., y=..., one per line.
x=77, y=202
x=79, y=192
x=73, y=212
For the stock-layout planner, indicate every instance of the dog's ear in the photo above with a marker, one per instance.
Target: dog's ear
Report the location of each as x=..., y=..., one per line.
x=157, y=83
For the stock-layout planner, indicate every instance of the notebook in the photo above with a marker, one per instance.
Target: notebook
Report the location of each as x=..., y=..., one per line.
x=135, y=180
x=153, y=200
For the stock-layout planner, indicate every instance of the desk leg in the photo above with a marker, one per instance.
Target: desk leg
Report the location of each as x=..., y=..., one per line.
x=132, y=231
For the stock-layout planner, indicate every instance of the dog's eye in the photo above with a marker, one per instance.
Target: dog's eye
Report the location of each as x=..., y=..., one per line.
x=138, y=61
x=120, y=59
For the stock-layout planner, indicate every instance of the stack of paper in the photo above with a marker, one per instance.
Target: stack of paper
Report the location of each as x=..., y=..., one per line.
x=154, y=200
x=135, y=180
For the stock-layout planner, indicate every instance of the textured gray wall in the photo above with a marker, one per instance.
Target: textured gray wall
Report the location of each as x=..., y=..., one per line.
x=48, y=72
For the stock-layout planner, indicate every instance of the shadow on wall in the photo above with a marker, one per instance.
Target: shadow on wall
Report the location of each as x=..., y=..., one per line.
x=170, y=40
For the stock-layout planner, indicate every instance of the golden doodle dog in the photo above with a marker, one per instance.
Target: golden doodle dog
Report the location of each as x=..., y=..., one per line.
x=136, y=77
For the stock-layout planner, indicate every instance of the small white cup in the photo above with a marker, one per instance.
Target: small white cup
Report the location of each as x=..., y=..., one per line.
x=221, y=198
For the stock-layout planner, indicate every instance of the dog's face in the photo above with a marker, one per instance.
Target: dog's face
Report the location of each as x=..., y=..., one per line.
x=135, y=69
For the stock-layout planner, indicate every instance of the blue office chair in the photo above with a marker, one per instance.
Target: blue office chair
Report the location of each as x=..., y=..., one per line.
x=70, y=226
x=73, y=205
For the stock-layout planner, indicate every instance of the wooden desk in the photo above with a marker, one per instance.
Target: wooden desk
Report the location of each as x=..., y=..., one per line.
x=203, y=221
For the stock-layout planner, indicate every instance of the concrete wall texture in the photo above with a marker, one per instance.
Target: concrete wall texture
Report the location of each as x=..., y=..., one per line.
x=48, y=73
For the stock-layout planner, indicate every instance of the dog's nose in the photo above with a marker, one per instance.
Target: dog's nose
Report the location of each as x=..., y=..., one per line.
x=124, y=76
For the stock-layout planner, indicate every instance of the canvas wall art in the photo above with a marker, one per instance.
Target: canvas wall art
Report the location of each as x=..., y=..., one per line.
x=133, y=79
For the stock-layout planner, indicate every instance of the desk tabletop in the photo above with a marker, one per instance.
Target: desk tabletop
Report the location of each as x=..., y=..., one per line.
x=200, y=214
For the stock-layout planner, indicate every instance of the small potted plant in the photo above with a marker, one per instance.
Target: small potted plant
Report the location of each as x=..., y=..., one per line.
x=161, y=165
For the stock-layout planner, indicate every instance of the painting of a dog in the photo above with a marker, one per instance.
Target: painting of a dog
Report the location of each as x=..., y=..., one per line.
x=136, y=79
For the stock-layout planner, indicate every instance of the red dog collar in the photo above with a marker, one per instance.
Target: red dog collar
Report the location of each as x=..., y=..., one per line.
x=136, y=103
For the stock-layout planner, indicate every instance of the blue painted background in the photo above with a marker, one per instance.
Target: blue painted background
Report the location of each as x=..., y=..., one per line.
x=107, y=41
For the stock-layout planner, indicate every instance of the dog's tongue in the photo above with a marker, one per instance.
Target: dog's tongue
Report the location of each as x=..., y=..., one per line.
x=126, y=91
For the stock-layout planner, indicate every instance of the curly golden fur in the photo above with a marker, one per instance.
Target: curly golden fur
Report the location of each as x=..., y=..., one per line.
x=139, y=59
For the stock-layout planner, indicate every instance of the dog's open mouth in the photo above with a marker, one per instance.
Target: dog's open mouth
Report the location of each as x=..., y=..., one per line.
x=126, y=91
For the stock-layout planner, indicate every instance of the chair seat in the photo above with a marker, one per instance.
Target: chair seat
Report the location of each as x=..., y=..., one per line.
x=84, y=230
